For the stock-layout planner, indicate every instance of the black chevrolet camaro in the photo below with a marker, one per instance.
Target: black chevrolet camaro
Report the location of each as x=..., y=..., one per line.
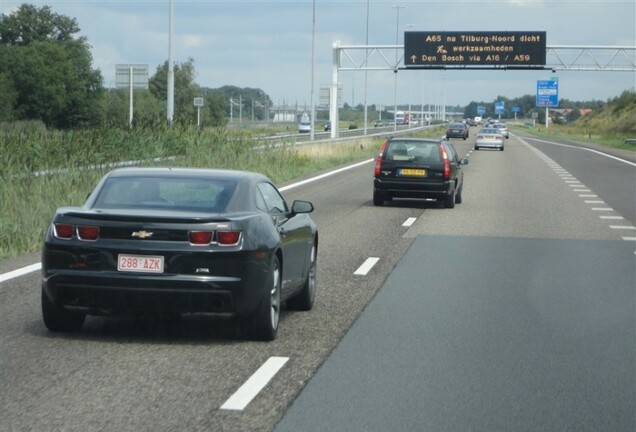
x=180, y=241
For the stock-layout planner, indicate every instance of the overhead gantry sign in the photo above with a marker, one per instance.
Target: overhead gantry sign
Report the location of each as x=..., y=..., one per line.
x=474, y=50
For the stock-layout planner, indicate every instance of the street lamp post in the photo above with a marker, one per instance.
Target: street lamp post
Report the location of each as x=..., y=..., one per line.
x=366, y=42
x=313, y=66
x=397, y=30
x=408, y=26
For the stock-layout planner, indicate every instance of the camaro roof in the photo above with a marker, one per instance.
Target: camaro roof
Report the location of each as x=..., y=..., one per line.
x=185, y=172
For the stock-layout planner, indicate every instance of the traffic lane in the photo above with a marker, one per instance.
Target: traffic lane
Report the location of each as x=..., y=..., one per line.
x=164, y=374
x=613, y=181
x=486, y=334
x=516, y=193
x=510, y=198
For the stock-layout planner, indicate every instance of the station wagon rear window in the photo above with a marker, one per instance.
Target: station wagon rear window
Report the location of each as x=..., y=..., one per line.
x=413, y=151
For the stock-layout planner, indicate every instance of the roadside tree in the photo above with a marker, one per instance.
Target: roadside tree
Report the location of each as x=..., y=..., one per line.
x=47, y=72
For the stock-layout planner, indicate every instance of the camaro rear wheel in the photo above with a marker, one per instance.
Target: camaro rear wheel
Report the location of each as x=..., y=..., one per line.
x=263, y=325
x=304, y=300
x=59, y=320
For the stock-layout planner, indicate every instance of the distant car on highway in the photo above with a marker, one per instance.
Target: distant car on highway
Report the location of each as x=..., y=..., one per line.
x=457, y=130
x=378, y=123
x=503, y=129
x=304, y=127
x=174, y=241
x=418, y=168
x=327, y=126
x=489, y=138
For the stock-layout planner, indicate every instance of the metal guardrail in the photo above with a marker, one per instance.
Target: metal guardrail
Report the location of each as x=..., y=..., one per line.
x=345, y=135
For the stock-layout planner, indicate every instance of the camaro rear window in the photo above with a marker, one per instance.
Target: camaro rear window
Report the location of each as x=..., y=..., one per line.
x=176, y=193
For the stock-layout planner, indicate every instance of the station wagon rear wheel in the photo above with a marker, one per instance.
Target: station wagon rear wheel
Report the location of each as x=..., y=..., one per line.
x=378, y=198
x=449, y=201
x=458, y=196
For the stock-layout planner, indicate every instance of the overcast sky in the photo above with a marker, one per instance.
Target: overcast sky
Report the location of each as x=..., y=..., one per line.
x=268, y=44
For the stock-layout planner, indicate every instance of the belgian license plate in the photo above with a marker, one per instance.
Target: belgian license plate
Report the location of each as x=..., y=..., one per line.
x=413, y=172
x=140, y=263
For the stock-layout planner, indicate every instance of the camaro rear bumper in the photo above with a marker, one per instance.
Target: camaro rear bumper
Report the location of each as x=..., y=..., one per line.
x=99, y=292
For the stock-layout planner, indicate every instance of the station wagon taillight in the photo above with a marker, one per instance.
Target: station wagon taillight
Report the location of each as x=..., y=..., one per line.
x=378, y=159
x=63, y=231
x=446, y=161
x=200, y=238
x=85, y=232
x=228, y=238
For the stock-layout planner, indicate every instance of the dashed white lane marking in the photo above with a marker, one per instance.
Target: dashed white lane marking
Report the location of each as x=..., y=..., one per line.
x=410, y=221
x=252, y=387
x=20, y=272
x=366, y=266
x=582, y=190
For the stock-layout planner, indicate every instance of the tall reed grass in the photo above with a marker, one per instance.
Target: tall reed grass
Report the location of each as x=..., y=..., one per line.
x=41, y=170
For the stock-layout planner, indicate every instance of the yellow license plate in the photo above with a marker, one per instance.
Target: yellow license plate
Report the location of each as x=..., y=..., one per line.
x=413, y=172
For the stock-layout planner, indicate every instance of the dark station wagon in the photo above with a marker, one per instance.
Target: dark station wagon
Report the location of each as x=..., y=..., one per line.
x=418, y=168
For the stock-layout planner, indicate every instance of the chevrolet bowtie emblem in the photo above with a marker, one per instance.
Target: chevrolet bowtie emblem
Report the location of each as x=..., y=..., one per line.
x=142, y=234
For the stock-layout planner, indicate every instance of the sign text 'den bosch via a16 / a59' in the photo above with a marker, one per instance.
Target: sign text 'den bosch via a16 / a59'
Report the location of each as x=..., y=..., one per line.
x=479, y=49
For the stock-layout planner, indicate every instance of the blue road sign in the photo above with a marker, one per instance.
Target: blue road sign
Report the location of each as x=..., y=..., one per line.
x=547, y=93
x=499, y=107
x=516, y=109
x=481, y=110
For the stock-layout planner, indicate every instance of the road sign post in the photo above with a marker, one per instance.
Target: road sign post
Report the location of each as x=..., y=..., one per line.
x=547, y=95
x=198, y=102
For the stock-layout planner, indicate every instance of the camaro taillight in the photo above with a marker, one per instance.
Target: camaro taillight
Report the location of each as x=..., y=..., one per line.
x=63, y=231
x=200, y=238
x=87, y=232
x=228, y=238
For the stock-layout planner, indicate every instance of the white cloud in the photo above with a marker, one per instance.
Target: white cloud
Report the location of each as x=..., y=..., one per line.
x=268, y=44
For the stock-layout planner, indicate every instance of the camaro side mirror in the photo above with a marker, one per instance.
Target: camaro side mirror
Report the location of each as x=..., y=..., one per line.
x=299, y=206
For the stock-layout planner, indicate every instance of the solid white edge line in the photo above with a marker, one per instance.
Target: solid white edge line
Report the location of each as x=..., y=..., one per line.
x=366, y=266
x=37, y=266
x=410, y=221
x=248, y=391
x=585, y=149
x=622, y=227
x=20, y=272
x=322, y=176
